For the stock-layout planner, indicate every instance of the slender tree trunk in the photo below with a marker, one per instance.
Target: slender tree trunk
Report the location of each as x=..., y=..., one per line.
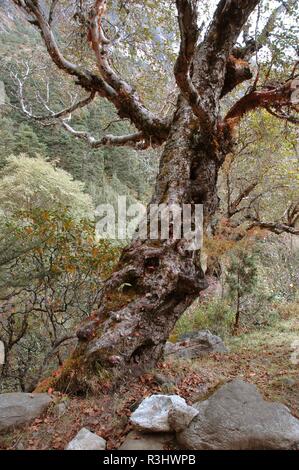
x=237, y=318
x=161, y=277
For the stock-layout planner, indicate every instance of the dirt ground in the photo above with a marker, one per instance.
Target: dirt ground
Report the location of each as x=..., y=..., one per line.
x=265, y=357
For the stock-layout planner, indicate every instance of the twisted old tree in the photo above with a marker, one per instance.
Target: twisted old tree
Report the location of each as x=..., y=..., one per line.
x=162, y=278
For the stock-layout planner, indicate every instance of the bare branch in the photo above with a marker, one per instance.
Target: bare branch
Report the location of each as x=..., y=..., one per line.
x=284, y=116
x=292, y=214
x=273, y=227
x=279, y=97
x=109, y=85
x=135, y=140
x=51, y=10
x=233, y=207
x=61, y=114
x=289, y=224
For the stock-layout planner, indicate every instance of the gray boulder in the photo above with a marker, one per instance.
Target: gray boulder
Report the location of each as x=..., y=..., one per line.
x=196, y=345
x=179, y=417
x=19, y=408
x=86, y=440
x=152, y=413
x=236, y=417
x=153, y=441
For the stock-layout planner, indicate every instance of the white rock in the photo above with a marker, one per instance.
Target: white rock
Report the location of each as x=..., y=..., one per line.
x=152, y=413
x=86, y=440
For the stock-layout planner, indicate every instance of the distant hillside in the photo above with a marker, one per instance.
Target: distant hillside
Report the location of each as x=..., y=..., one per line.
x=11, y=18
x=106, y=172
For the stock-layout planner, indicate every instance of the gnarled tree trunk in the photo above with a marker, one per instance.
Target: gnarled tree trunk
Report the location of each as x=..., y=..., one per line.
x=161, y=278
x=156, y=280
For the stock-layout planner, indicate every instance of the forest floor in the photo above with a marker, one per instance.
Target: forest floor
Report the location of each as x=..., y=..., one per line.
x=262, y=357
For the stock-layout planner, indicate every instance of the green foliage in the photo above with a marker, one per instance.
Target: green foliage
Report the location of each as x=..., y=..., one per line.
x=266, y=157
x=27, y=142
x=241, y=273
x=7, y=140
x=51, y=266
x=51, y=273
x=215, y=315
x=28, y=183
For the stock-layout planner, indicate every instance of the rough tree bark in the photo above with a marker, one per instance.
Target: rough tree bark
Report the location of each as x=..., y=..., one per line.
x=160, y=277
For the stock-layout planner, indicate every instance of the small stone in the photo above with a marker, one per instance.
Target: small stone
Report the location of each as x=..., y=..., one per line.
x=86, y=440
x=153, y=441
x=60, y=409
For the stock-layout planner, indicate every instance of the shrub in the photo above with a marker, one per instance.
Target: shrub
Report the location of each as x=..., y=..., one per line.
x=215, y=315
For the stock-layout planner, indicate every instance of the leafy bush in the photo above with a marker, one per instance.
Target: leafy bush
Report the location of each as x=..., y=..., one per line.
x=27, y=183
x=215, y=315
x=51, y=268
x=49, y=282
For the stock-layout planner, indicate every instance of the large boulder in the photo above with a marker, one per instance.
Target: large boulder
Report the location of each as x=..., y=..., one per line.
x=86, y=440
x=196, y=345
x=152, y=413
x=237, y=417
x=19, y=408
x=153, y=441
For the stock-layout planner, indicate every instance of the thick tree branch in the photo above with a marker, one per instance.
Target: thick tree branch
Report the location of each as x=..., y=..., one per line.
x=212, y=55
x=228, y=21
x=188, y=24
x=288, y=224
x=117, y=91
x=253, y=45
x=238, y=69
x=278, y=97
